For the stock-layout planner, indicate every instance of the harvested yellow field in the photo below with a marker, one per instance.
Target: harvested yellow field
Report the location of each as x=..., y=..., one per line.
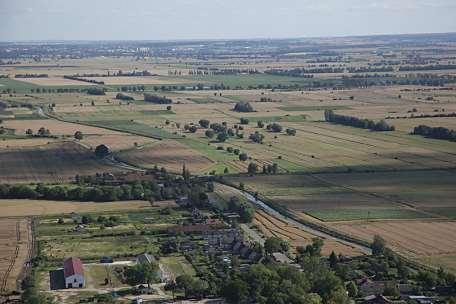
x=18, y=143
x=158, y=80
x=55, y=126
x=20, y=208
x=431, y=240
x=57, y=162
x=116, y=142
x=169, y=154
x=271, y=226
x=53, y=81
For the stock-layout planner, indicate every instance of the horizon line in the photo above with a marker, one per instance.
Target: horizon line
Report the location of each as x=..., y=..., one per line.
x=228, y=39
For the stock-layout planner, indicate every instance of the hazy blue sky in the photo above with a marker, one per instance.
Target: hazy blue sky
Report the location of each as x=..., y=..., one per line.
x=220, y=19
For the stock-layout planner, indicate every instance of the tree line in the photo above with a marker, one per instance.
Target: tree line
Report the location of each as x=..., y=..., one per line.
x=156, y=99
x=382, y=125
x=144, y=190
x=435, y=132
x=78, y=78
x=31, y=76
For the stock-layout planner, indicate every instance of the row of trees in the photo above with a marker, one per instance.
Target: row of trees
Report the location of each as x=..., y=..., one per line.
x=31, y=76
x=42, y=132
x=435, y=132
x=144, y=190
x=382, y=125
x=132, y=88
x=77, y=78
x=156, y=99
x=96, y=91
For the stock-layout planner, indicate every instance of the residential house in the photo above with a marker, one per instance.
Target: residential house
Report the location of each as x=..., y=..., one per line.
x=376, y=299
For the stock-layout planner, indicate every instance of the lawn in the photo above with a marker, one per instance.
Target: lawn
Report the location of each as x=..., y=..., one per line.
x=176, y=266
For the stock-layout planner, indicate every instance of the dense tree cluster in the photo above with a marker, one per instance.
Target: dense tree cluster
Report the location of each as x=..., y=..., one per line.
x=244, y=121
x=274, y=127
x=96, y=91
x=245, y=210
x=276, y=284
x=275, y=244
x=122, y=96
x=270, y=169
x=256, y=137
x=204, y=123
x=156, y=99
x=244, y=107
x=101, y=151
x=191, y=286
x=291, y=132
x=382, y=125
x=435, y=132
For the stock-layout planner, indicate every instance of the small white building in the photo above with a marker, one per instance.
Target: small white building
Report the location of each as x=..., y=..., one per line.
x=73, y=273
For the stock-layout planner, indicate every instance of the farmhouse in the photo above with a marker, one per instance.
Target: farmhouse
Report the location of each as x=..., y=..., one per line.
x=73, y=273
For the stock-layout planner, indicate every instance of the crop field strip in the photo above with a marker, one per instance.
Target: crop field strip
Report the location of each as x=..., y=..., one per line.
x=275, y=227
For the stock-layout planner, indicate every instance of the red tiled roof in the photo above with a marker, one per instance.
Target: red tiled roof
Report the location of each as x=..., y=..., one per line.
x=72, y=266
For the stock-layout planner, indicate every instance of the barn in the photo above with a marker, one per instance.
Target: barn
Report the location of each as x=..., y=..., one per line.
x=73, y=273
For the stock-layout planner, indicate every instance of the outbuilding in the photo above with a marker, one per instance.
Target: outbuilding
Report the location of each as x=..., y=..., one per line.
x=73, y=272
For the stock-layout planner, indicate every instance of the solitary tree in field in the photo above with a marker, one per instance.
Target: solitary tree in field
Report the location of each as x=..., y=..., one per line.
x=101, y=151
x=78, y=135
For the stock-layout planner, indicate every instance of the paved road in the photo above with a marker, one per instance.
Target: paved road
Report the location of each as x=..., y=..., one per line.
x=299, y=225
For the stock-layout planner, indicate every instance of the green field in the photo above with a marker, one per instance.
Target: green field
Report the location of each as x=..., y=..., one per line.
x=312, y=108
x=135, y=128
x=358, y=196
x=245, y=81
x=284, y=118
x=365, y=214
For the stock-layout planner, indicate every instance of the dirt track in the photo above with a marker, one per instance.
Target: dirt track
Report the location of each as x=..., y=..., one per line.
x=16, y=248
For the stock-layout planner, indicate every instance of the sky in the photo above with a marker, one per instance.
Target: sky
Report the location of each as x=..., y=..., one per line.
x=219, y=19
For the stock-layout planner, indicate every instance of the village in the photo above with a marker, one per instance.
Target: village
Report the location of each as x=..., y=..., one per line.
x=174, y=250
